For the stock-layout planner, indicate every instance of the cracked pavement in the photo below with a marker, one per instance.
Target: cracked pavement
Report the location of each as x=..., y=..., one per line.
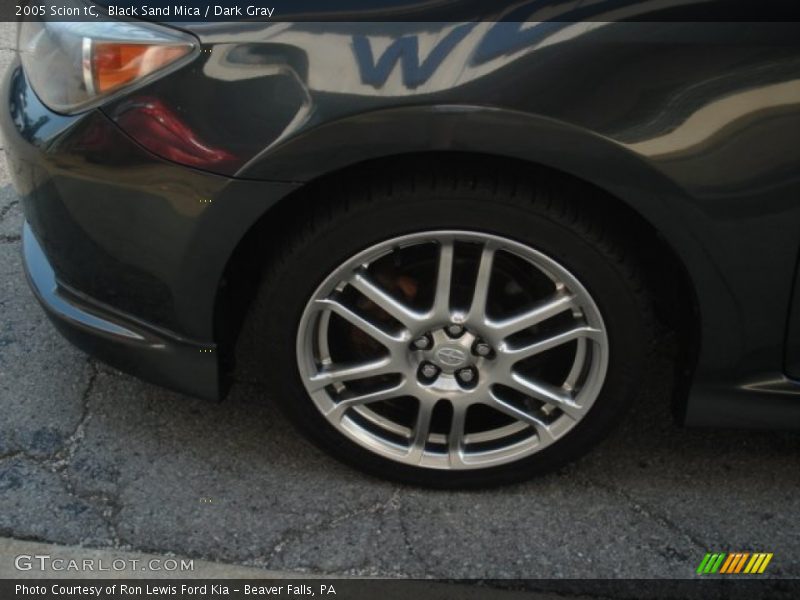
x=94, y=457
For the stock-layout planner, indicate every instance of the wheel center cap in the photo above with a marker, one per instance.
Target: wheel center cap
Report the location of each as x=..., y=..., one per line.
x=451, y=357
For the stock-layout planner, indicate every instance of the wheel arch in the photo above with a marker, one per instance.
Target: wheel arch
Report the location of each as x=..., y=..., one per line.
x=410, y=139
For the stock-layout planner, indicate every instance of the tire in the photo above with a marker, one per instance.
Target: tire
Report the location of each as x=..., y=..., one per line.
x=541, y=217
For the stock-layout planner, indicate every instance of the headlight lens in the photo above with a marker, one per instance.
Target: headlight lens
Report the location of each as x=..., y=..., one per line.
x=73, y=66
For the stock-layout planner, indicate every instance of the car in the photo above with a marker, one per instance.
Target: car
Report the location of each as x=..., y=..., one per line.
x=447, y=249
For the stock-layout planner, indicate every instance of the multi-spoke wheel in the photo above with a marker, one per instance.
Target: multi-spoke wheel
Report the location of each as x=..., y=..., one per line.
x=452, y=337
x=452, y=349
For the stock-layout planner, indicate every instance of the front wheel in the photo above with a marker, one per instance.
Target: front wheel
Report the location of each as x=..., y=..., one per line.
x=452, y=337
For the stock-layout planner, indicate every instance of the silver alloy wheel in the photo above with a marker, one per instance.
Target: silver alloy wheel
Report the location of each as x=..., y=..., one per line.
x=443, y=363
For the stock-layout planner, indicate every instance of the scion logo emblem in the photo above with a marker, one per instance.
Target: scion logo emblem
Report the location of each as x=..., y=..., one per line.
x=451, y=357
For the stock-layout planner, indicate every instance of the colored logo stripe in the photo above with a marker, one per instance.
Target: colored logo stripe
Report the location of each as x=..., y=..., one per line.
x=761, y=563
x=728, y=563
x=710, y=563
x=733, y=563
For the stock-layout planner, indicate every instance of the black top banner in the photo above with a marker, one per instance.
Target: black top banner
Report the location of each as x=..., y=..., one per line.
x=403, y=10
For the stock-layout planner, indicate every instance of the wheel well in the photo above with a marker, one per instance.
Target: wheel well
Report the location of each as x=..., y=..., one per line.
x=669, y=284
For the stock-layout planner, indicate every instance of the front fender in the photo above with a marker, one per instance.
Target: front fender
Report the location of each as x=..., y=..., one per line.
x=539, y=140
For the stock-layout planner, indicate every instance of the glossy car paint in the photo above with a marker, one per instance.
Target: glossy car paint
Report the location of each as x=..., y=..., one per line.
x=695, y=126
x=133, y=240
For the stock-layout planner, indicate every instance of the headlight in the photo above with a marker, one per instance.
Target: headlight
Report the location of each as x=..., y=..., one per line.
x=72, y=66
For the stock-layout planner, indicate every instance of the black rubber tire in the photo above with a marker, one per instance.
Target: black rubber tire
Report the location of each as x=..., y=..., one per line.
x=565, y=219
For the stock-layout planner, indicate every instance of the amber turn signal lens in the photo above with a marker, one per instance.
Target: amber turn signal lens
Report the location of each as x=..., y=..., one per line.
x=115, y=64
x=75, y=65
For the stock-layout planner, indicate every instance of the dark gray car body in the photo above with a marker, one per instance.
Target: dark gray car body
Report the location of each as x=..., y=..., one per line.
x=695, y=127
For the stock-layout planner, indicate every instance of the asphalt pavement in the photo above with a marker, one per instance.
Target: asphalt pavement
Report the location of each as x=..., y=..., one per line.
x=93, y=457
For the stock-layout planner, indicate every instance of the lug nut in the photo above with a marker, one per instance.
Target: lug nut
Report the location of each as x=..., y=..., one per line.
x=483, y=349
x=466, y=376
x=455, y=330
x=422, y=343
x=429, y=371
